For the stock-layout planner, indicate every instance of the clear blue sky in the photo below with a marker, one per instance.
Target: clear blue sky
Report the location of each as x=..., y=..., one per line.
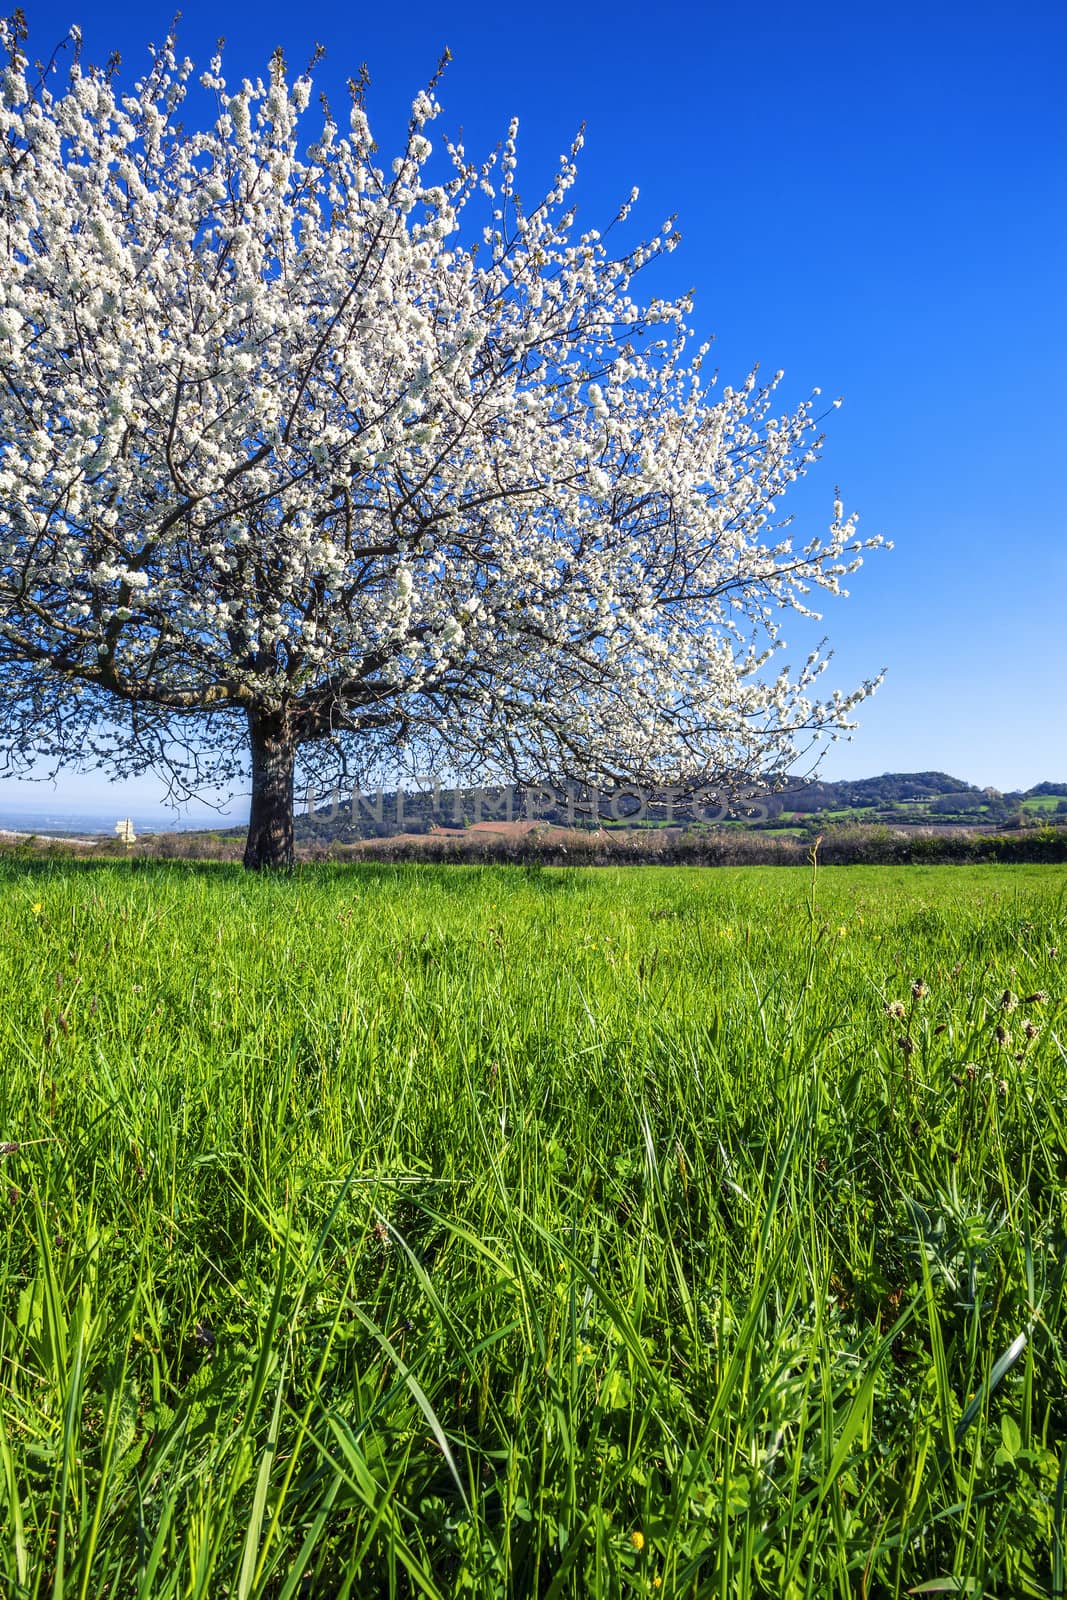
x=874, y=199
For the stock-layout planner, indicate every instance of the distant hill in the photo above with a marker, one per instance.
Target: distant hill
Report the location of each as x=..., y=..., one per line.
x=799, y=805
x=926, y=799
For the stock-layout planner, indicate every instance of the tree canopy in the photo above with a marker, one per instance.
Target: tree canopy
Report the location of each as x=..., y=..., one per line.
x=303, y=455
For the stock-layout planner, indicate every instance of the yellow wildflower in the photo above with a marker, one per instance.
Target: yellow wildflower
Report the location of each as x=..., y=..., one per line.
x=637, y=1539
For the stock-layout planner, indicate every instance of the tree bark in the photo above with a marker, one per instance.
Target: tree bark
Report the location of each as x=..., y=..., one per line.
x=270, y=824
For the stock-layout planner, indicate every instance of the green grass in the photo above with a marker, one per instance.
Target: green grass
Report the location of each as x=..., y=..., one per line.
x=480, y=1231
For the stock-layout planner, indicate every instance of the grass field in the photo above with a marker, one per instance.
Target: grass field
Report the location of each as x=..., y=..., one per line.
x=488, y=1231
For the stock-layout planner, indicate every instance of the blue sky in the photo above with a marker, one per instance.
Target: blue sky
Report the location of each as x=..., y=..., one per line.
x=874, y=199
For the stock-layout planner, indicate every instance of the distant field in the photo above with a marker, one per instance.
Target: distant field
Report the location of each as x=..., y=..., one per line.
x=420, y=1230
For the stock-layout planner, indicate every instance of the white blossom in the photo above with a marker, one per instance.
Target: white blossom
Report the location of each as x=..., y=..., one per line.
x=291, y=434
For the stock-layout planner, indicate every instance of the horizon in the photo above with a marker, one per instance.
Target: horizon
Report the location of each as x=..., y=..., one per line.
x=155, y=818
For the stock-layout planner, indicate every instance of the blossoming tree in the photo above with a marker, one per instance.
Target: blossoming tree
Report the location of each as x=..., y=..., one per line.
x=298, y=453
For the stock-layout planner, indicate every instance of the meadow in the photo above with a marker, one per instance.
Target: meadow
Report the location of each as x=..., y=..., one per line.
x=398, y=1230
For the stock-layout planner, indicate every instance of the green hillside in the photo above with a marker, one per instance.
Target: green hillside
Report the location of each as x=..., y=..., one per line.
x=896, y=799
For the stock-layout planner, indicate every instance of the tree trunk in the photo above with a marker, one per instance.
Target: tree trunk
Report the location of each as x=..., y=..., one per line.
x=270, y=824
